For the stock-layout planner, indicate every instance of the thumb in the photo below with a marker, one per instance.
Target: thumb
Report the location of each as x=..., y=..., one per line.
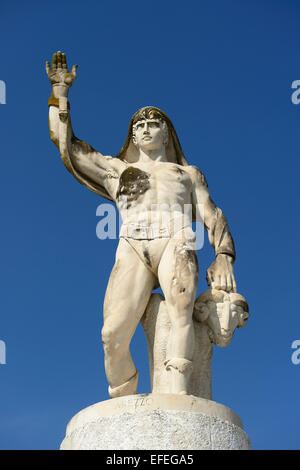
x=74, y=70
x=208, y=277
x=47, y=67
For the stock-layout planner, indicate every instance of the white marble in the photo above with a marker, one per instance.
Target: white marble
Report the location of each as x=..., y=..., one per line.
x=151, y=422
x=216, y=316
x=157, y=194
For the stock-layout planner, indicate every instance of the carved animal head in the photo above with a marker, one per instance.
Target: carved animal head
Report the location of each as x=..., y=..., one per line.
x=222, y=312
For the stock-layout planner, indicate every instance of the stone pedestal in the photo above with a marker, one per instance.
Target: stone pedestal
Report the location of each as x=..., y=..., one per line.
x=156, y=422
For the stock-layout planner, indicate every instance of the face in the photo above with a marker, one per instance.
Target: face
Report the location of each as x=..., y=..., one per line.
x=224, y=319
x=149, y=134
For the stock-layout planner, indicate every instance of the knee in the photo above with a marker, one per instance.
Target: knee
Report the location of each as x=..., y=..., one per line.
x=108, y=337
x=182, y=322
x=113, y=342
x=181, y=315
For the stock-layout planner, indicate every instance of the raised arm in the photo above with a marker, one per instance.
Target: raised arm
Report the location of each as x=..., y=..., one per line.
x=220, y=274
x=97, y=172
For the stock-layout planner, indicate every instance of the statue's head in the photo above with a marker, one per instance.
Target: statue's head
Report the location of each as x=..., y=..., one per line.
x=150, y=129
x=222, y=312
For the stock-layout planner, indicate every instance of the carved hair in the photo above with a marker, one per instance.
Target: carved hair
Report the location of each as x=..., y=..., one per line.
x=148, y=113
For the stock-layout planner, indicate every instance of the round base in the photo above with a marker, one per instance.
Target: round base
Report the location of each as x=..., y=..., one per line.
x=156, y=422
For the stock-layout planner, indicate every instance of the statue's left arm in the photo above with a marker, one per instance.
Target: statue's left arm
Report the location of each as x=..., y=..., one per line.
x=220, y=274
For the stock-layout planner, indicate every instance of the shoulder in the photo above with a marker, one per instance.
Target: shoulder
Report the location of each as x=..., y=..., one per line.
x=112, y=163
x=196, y=175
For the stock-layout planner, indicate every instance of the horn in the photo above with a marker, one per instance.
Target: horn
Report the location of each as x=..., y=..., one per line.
x=243, y=317
x=201, y=312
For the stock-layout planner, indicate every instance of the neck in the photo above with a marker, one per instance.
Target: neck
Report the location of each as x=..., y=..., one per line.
x=157, y=155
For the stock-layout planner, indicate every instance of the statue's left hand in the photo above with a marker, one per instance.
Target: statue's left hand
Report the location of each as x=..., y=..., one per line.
x=220, y=274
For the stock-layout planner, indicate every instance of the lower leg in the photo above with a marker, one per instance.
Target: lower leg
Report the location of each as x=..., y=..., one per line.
x=182, y=339
x=126, y=388
x=119, y=366
x=180, y=370
x=180, y=356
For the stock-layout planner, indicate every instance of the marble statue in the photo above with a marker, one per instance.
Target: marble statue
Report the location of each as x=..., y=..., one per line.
x=216, y=316
x=151, y=183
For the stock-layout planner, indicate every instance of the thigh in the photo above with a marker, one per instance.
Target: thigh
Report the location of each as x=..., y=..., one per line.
x=129, y=289
x=178, y=273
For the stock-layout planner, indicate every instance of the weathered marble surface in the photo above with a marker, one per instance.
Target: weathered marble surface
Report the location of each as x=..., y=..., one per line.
x=158, y=194
x=216, y=316
x=164, y=422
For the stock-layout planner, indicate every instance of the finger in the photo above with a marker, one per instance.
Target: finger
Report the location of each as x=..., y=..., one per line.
x=48, y=69
x=233, y=284
x=229, y=282
x=74, y=70
x=64, y=62
x=223, y=282
x=217, y=282
x=209, y=277
x=59, y=60
x=54, y=61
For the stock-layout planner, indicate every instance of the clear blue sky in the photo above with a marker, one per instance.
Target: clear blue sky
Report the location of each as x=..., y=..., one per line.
x=222, y=71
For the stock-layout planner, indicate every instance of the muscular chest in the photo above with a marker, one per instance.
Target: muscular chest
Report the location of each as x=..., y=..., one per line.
x=137, y=181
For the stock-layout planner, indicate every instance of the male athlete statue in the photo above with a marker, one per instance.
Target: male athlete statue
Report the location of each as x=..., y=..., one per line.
x=151, y=183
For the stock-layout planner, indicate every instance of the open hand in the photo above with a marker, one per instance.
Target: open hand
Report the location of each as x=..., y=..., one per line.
x=220, y=274
x=59, y=76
